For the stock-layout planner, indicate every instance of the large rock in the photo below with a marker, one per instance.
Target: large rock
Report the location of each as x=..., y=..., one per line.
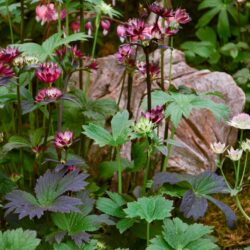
x=200, y=129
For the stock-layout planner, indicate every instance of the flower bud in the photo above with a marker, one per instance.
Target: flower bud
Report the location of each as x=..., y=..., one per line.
x=218, y=147
x=144, y=126
x=105, y=26
x=246, y=145
x=234, y=154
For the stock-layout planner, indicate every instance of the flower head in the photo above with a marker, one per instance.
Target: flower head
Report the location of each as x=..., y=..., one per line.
x=121, y=32
x=64, y=140
x=181, y=16
x=160, y=11
x=136, y=29
x=49, y=94
x=9, y=54
x=154, y=69
x=144, y=126
x=105, y=24
x=126, y=54
x=75, y=25
x=89, y=28
x=48, y=72
x=218, y=147
x=61, y=52
x=246, y=145
x=5, y=71
x=155, y=115
x=48, y=13
x=234, y=154
x=76, y=52
x=240, y=121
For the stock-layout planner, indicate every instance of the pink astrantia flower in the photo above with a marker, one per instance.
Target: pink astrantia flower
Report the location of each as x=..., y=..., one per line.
x=61, y=52
x=48, y=72
x=160, y=11
x=48, y=13
x=136, y=30
x=181, y=16
x=126, y=54
x=49, y=94
x=64, y=140
x=155, y=115
x=5, y=71
x=154, y=69
x=240, y=121
x=9, y=54
x=234, y=154
x=76, y=52
x=89, y=28
x=105, y=24
x=121, y=32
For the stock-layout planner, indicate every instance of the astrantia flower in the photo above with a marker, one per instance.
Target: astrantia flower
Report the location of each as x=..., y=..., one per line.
x=125, y=54
x=105, y=24
x=76, y=52
x=154, y=69
x=93, y=65
x=144, y=126
x=9, y=54
x=240, y=121
x=89, y=28
x=64, y=139
x=61, y=52
x=218, y=147
x=234, y=154
x=48, y=72
x=246, y=145
x=181, y=16
x=155, y=115
x=5, y=71
x=49, y=94
x=121, y=32
x=160, y=11
x=136, y=29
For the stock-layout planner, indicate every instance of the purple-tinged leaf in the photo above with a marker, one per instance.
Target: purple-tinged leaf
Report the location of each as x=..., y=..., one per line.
x=59, y=237
x=228, y=212
x=79, y=238
x=193, y=206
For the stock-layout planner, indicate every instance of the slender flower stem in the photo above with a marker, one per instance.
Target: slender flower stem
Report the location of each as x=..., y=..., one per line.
x=59, y=18
x=171, y=59
x=220, y=166
x=147, y=170
x=238, y=164
x=22, y=21
x=81, y=43
x=130, y=84
x=66, y=18
x=241, y=208
x=169, y=147
x=97, y=26
x=47, y=128
x=244, y=170
x=19, y=109
x=148, y=79
x=148, y=233
x=118, y=157
x=10, y=21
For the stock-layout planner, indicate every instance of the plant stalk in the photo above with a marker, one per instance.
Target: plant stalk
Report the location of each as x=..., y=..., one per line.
x=47, y=128
x=244, y=170
x=19, y=109
x=148, y=233
x=241, y=208
x=22, y=21
x=130, y=86
x=118, y=157
x=97, y=26
x=148, y=79
x=238, y=164
x=169, y=147
x=10, y=21
x=171, y=59
x=147, y=170
x=81, y=43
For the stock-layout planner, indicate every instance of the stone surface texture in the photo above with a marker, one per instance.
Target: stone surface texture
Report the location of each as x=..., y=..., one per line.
x=195, y=134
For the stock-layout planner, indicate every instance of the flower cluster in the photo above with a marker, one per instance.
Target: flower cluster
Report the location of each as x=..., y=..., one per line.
x=155, y=115
x=48, y=94
x=64, y=140
x=48, y=13
x=240, y=121
x=48, y=72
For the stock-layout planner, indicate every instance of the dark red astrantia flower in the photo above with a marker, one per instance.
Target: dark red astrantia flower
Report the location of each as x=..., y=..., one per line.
x=155, y=115
x=9, y=54
x=160, y=11
x=48, y=72
x=5, y=71
x=64, y=139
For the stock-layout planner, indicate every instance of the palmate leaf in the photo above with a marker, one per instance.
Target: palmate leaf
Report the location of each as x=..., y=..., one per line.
x=198, y=191
x=120, y=130
x=16, y=142
x=46, y=50
x=178, y=235
x=49, y=190
x=149, y=208
x=180, y=105
x=18, y=240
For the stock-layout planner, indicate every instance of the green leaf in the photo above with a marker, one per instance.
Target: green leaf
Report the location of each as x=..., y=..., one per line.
x=6, y=184
x=111, y=206
x=207, y=17
x=179, y=235
x=124, y=224
x=120, y=124
x=209, y=4
x=223, y=26
x=149, y=208
x=100, y=136
x=207, y=34
x=16, y=142
x=18, y=240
